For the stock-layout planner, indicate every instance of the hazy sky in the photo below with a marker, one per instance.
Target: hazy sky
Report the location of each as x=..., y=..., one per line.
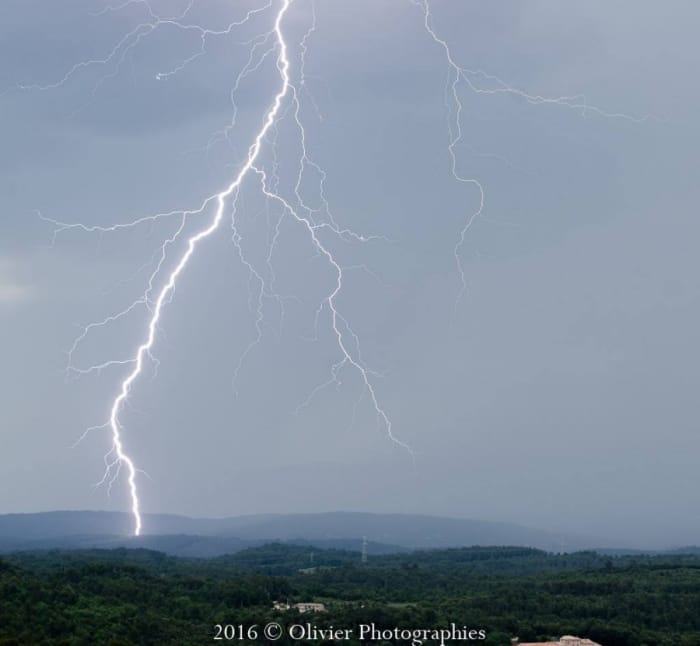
x=560, y=392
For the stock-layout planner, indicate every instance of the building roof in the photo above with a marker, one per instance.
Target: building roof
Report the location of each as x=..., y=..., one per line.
x=566, y=640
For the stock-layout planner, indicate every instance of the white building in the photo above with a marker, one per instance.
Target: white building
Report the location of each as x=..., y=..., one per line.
x=301, y=607
x=566, y=640
x=310, y=607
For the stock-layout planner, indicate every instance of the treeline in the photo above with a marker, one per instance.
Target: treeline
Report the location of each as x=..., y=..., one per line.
x=123, y=597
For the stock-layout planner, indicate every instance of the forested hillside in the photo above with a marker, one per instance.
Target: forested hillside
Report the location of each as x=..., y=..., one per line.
x=122, y=597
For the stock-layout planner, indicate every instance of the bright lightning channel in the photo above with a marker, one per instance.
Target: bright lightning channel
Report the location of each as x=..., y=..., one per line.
x=122, y=458
x=144, y=348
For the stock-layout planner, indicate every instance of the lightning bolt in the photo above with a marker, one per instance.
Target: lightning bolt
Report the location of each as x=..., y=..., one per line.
x=483, y=83
x=121, y=458
x=190, y=227
x=220, y=199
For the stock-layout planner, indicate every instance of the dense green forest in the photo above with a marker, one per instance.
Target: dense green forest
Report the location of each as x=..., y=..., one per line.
x=121, y=597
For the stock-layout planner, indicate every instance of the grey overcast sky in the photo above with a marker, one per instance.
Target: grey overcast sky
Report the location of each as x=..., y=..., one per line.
x=560, y=392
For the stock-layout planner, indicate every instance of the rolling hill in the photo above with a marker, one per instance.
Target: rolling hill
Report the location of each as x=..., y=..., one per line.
x=186, y=536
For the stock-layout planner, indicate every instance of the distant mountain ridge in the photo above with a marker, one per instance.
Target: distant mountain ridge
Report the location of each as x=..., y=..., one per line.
x=186, y=536
x=183, y=545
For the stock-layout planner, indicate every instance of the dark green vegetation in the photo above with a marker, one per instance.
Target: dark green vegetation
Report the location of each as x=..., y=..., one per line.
x=121, y=596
